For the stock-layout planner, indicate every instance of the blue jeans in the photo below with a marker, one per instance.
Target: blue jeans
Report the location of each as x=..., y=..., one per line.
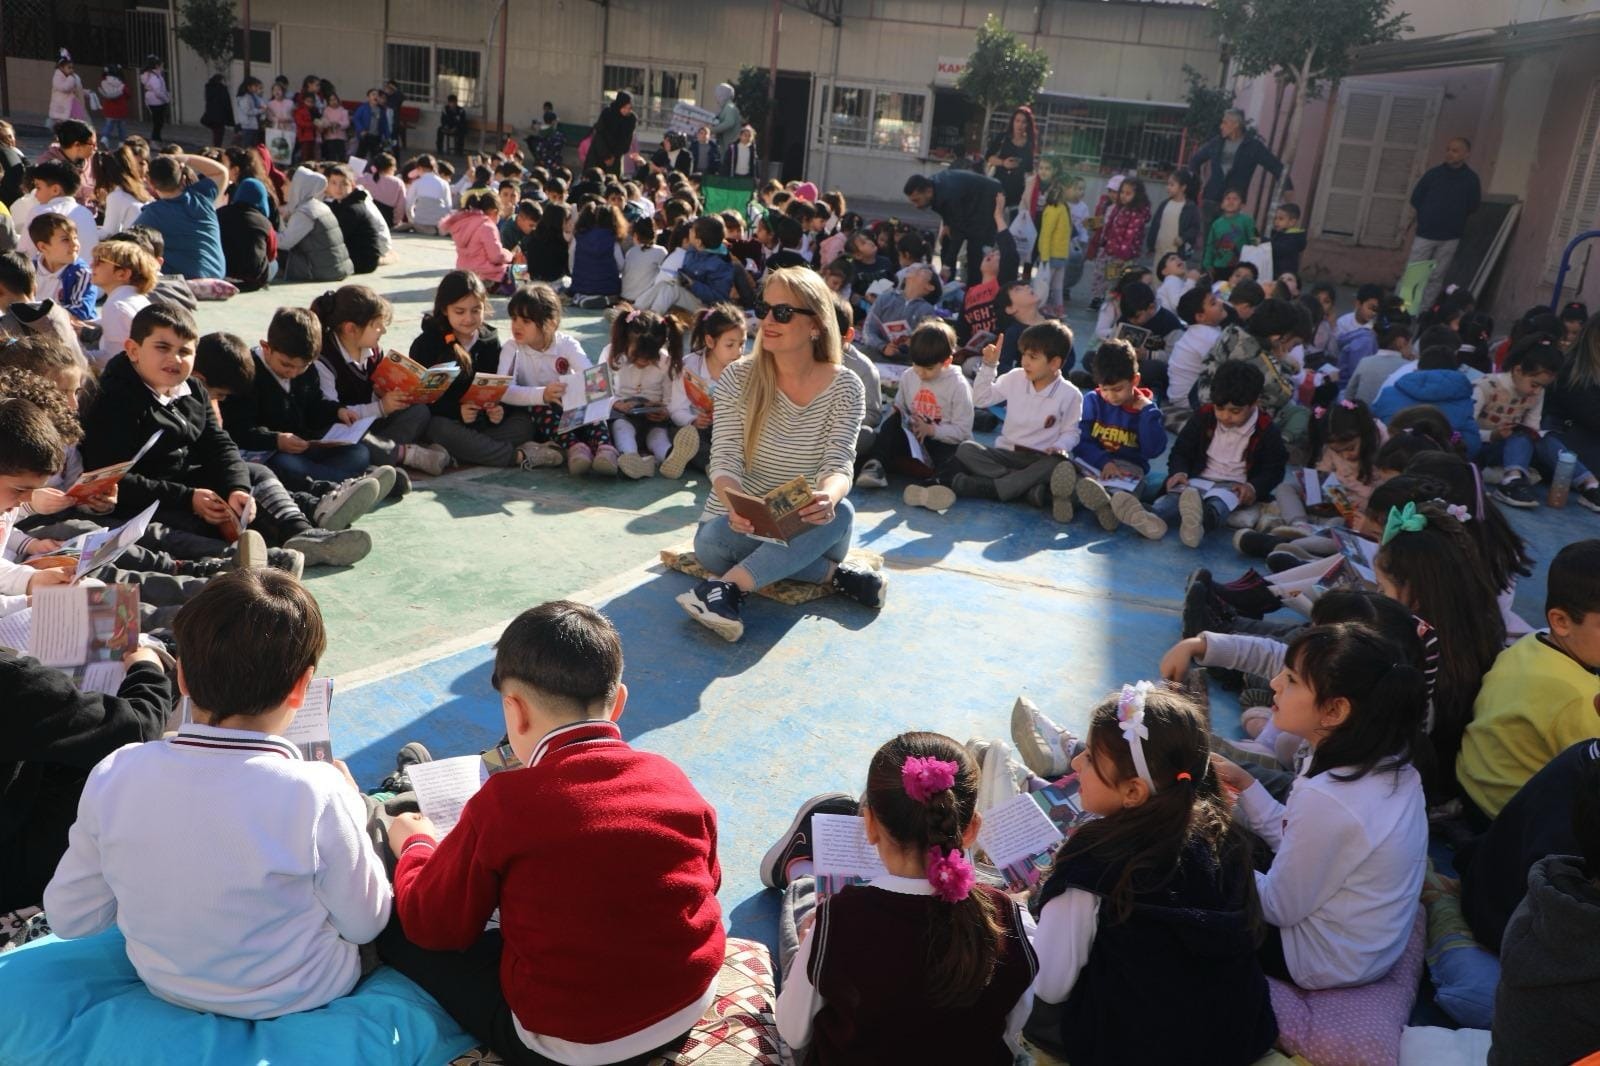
x=808, y=557
x=1216, y=512
x=1520, y=451
x=320, y=464
x=114, y=129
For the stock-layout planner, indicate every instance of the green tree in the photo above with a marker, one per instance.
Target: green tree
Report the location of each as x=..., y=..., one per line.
x=1002, y=71
x=1206, y=105
x=208, y=28
x=750, y=96
x=1304, y=44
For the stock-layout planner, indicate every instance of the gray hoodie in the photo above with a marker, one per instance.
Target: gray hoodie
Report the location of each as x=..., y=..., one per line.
x=726, y=128
x=311, y=246
x=1547, y=1008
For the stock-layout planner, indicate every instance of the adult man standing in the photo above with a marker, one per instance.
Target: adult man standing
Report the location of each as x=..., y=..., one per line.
x=1234, y=156
x=972, y=207
x=1443, y=199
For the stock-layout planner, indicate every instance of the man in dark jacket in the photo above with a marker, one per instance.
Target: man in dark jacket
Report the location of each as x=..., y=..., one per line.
x=972, y=207
x=1234, y=156
x=1442, y=199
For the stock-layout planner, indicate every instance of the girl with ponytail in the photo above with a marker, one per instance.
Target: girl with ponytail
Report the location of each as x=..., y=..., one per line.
x=922, y=964
x=1154, y=902
x=1351, y=846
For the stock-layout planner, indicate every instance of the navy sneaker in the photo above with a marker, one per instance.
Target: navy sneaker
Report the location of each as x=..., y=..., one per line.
x=715, y=605
x=866, y=586
x=1515, y=493
x=1590, y=497
x=797, y=840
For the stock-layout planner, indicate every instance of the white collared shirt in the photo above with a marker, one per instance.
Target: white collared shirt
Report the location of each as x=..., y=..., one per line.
x=329, y=382
x=1045, y=420
x=1225, y=457
x=167, y=399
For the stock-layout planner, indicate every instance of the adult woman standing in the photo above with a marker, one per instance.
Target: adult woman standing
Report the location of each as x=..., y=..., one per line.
x=1010, y=157
x=790, y=409
x=66, y=92
x=612, y=139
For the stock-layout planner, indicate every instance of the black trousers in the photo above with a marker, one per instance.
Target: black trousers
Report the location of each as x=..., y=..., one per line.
x=893, y=450
x=158, y=119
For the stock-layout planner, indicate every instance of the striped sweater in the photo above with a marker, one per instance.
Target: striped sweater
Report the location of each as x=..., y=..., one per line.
x=811, y=441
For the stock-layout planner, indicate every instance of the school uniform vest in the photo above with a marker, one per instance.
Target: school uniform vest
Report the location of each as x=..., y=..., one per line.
x=869, y=963
x=594, y=264
x=351, y=385
x=1178, y=981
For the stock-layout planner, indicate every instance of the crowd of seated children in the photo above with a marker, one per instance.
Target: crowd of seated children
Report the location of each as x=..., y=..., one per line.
x=1508, y=407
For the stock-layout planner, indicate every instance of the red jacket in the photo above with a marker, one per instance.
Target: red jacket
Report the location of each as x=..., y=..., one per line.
x=305, y=127
x=603, y=862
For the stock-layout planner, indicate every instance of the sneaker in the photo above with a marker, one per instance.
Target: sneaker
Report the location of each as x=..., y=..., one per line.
x=637, y=466
x=1038, y=496
x=685, y=445
x=535, y=455
x=1590, y=497
x=605, y=461
x=1094, y=496
x=1515, y=493
x=1254, y=544
x=428, y=458
x=933, y=497
x=866, y=586
x=402, y=484
x=405, y=759
x=1000, y=776
x=384, y=476
x=1257, y=601
x=795, y=843
x=1255, y=697
x=715, y=605
x=341, y=507
x=580, y=460
x=1040, y=742
x=327, y=547
x=1131, y=513
x=1280, y=559
x=872, y=476
x=1063, y=485
x=1192, y=511
x=250, y=551
x=204, y=567
x=973, y=487
x=287, y=560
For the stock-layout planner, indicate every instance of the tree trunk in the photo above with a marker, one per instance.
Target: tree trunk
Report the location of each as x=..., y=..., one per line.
x=1297, y=116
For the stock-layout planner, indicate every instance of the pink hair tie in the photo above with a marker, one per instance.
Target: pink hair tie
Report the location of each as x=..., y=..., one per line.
x=1320, y=412
x=631, y=316
x=1348, y=405
x=924, y=778
x=950, y=874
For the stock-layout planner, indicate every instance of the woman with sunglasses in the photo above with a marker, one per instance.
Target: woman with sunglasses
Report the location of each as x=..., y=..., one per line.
x=790, y=409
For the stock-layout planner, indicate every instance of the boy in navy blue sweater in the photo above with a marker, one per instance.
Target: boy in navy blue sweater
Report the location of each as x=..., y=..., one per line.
x=1120, y=431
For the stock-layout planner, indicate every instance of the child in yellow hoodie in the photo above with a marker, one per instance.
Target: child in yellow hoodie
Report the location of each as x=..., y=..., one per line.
x=1055, y=245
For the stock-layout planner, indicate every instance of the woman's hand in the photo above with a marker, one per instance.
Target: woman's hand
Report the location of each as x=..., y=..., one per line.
x=739, y=524
x=821, y=509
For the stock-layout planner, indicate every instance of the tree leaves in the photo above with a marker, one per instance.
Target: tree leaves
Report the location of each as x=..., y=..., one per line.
x=1278, y=37
x=1002, y=70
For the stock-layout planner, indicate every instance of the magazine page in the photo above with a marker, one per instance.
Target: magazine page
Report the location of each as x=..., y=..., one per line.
x=840, y=853
x=443, y=787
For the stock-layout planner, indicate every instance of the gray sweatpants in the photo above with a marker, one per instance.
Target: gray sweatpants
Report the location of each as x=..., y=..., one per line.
x=482, y=443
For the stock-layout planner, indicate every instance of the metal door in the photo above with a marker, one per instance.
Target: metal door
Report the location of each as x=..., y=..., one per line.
x=150, y=35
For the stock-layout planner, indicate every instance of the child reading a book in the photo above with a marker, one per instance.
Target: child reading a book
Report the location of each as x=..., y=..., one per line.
x=543, y=986
x=354, y=319
x=1119, y=433
x=284, y=412
x=155, y=816
x=646, y=359
x=716, y=343
x=931, y=417
x=1154, y=901
x=544, y=364
x=922, y=963
x=31, y=451
x=1351, y=846
x=1345, y=438
x=1232, y=446
x=1043, y=410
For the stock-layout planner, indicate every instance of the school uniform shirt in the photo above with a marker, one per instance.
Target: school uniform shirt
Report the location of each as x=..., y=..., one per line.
x=640, y=265
x=1265, y=456
x=946, y=401
x=1496, y=404
x=592, y=976
x=1107, y=433
x=1348, y=868
x=1171, y=290
x=81, y=217
x=653, y=382
x=1188, y=359
x=348, y=378
x=116, y=320
x=1043, y=420
x=533, y=369
x=1225, y=458
x=1535, y=701
x=241, y=876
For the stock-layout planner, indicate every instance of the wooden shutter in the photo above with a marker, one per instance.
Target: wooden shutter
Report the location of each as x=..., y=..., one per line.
x=1376, y=157
x=1579, y=206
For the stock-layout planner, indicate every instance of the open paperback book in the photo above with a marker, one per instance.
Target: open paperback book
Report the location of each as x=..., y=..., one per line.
x=840, y=854
x=444, y=786
x=341, y=434
x=103, y=480
x=597, y=399
x=775, y=516
x=400, y=373
x=82, y=631
x=1019, y=838
x=1212, y=490
x=238, y=520
x=309, y=731
x=1111, y=484
x=486, y=389
x=89, y=551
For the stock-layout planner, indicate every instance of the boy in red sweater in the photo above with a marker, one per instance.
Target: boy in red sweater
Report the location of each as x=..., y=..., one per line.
x=601, y=859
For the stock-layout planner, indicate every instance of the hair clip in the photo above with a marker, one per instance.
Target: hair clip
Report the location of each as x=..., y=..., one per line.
x=924, y=778
x=1130, y=719
x=1348, y=405
x=951, y=875
x=1458, y=512
x=631, y=316
x=1405, y=519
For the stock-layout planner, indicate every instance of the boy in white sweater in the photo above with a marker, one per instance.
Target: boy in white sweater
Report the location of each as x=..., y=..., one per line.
x=242, y=877
x=641, y=265
x=1204, y=315
x=1042, y=414
x=931, y=417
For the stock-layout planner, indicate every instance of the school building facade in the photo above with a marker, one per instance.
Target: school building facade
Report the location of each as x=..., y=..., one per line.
x=1521, y=80
x=865, y=88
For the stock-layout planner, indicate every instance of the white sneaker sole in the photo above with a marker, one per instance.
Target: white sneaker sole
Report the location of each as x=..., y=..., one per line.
x=1192, y=509
x=1032, y=747
x=361, y=498
x=251, y=551
x=349, y=547
x=728, y=631
x=769, y=876
x=685, y=444
x=1131, y=513
x=1063, y=487
x=635, y=466
x=1093, y=495
x=933, y=497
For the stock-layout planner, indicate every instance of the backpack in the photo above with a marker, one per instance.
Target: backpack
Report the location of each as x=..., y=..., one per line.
x=1237, y=343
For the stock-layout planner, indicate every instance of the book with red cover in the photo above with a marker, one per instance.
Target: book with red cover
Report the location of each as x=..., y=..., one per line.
x=775, y=516
x=400, y=373
x=101, y=481
x=698, y=391
x=486, y=389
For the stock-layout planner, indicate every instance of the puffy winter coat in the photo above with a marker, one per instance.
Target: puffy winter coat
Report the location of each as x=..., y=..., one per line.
x=311, y=246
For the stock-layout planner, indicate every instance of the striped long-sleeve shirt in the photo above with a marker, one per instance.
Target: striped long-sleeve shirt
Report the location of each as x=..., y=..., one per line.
x=811, y=441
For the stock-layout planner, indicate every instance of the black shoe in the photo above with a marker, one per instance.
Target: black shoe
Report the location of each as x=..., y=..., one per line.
x=404, y=759
x=1256, y=545
x=1196, y=608
x=974, y=487
x=715, y=605
x=1255, y=602
x=1590, y=497
x=1515, y=493
x=866, y=586
x=1039, y=496
x=202, y=567
x=797, y=840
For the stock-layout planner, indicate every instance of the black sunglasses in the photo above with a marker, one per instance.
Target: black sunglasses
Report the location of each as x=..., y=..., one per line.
x=784, y=313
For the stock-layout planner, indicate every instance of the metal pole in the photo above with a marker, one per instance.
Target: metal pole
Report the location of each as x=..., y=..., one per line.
x=827, y=142
x=245, y=11
x=5, y=81
x=500, y=100
x=772, y=79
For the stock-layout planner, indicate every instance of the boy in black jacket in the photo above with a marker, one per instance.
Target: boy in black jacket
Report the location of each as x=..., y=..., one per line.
x=284, y=409
x=1229, y=455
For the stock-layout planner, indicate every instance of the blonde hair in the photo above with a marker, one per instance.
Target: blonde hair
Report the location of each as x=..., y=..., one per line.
x=761, y=388
x=142, y=267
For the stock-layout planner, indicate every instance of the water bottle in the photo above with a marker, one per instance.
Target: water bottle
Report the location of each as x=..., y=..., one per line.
x=1561, y=481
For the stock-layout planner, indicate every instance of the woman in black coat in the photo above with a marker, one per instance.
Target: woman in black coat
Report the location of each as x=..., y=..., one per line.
x=612, y=138
x=218, y=115
x=1572, y=404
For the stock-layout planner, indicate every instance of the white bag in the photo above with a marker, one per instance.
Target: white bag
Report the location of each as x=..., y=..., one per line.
x=1260, y=257
x=280, y=145
x=1041, y=283
x=1025, y=234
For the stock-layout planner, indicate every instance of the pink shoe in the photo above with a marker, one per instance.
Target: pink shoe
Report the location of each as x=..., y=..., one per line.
x=579, y=460
x=605, y=461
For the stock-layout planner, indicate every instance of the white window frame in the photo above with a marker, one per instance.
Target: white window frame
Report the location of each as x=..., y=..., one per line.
x=434, y=99
x=1435, y=97
x=822, y=125
x=660, y=118
x=1582, y=182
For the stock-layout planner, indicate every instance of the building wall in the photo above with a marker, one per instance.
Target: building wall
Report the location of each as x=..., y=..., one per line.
x=1430, y=18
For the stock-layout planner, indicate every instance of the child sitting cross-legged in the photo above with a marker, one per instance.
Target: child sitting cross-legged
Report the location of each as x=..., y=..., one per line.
x=1042, y=415
x=646, y=360
x=543, y=986
x=1121, y=431
x=1509, y=407
x=280, y=882
x=1230, y=443
x=933, y=407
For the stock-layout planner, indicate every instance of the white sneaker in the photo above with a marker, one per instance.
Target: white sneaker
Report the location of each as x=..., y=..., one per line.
x=340, y=508
x=428, y=458
x=872, y=476
x=1192, y=510
x=934, y=497
x=1001, y=776
x=685, y=445
x=636, y=466
x=537, y=454
x=1040, y=741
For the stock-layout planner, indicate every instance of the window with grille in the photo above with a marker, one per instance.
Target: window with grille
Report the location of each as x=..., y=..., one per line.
x=1377, y=153
x=1578, y=208
x=1103, y=137
x=428, y=73
x=656, y=90
x=887, y=120
x=260, y=46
